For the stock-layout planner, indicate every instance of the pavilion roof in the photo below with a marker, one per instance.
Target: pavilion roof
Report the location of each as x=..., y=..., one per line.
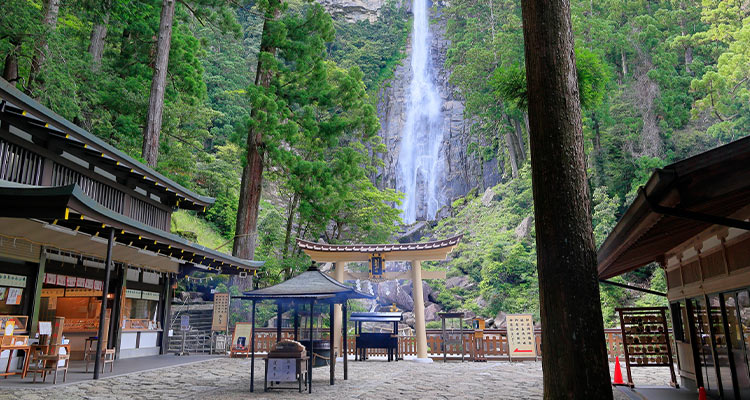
x=677, y=203
x=309, y=285
x=376, y=316
x=435, y=250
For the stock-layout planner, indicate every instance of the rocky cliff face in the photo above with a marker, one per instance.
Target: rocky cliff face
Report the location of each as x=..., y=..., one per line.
x=353, y=10
x=462, y=171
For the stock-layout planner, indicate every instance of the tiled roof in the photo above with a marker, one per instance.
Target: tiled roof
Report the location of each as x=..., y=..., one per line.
x=378, y=248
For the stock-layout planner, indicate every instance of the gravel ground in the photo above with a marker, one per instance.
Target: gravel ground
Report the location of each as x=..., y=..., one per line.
x=226, y=378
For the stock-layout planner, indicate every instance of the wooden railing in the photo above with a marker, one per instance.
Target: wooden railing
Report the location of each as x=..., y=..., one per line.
x=149, y=214
x=495, y=343
x=19, y=165
x=112, y=198
x=105, y=195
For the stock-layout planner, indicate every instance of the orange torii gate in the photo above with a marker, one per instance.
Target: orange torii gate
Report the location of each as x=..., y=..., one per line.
x=377, y=255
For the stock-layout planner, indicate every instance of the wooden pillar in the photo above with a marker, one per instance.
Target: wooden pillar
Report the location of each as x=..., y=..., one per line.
x=331, y=335
x=115, y=318
x=252, y=349
x=166, y=314
x=312, y=349
x=37, y=295
x=418, y=295
x=338, y=274
x=345, y=334
x=103, y=313
x=279, y=314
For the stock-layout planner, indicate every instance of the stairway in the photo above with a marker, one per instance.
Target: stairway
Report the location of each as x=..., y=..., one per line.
x=198, y=338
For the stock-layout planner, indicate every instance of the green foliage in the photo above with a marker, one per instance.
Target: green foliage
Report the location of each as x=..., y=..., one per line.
x=604, y=216
x=510, y=83
x=375, y=47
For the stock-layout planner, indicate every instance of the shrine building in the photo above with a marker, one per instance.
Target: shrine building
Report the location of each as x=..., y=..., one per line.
x=691, y=219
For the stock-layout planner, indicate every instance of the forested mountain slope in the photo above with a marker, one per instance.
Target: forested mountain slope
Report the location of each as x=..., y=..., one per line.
x=660, y=80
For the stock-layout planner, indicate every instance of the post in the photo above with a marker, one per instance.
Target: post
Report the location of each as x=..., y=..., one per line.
x=445, y=341
x=279, y=313
x=38, y=283
x=252, y=349
x=331, y=334
x=115, y=317
x=338, y=274
x=103, y=312
x=312, y=349
x=166, y=314
x=296, y=323
x=418, y=295
x=344, y=333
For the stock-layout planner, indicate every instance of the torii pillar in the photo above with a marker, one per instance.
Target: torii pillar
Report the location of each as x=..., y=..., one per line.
x=419, y=323
x=415, y=253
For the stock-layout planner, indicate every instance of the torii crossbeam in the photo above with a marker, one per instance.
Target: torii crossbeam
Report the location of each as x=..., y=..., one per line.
x=377, y=254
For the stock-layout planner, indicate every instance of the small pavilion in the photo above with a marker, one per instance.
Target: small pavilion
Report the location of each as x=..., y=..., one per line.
x=377, y=255
x=306, y=289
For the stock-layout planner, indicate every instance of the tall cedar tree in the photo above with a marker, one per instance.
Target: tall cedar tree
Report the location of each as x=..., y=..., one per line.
x=51, y=9
x=302, y=106
x=575, y=358
x=158, y=85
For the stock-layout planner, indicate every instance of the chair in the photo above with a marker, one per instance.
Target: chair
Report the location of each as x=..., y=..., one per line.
x=47, y=358
x=108, y=355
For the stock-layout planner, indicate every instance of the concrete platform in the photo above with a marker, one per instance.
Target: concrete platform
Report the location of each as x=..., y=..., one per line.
x=127, y=366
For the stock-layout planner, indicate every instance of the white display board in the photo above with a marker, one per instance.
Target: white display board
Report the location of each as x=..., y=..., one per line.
x=521, y=340
x=282, y=369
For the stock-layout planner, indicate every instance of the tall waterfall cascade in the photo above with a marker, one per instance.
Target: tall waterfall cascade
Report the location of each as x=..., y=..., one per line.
x=419, y=166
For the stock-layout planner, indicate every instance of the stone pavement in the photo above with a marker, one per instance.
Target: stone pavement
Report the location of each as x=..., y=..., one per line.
x=225, y=378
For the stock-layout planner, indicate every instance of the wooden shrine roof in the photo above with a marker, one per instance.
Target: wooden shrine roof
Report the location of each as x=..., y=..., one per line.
x=435, y=250
x=677, y=203
x=66, y=218
x=44, y=125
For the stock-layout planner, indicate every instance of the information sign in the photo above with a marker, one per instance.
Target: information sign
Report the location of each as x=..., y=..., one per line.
x=12, y=280
x=282, y=369
x=221, y=312
x=521, y=340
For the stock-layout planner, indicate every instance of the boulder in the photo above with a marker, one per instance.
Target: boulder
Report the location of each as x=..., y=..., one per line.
x=523, y=230
x=463, y=282
x=431, y=312
x=500, y=320
x=481, y=302
x=409, y=319
x=390, y=292
x=414, y=232
x=426, y=291
x=444, y=212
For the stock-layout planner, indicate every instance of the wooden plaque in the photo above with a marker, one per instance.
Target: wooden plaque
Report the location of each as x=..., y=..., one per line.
x=521, y=340
x=220, y=321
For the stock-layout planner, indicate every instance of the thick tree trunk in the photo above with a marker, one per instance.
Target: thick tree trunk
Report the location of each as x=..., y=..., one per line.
x=10, y=66
x=252, y=173
x=290, y=222
x=519, y=141
x=512, y=154
x=575, y=357
x=96, y=47
x=51, y=10
x=158, y=85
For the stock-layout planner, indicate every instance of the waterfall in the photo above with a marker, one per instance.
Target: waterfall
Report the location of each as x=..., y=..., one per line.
x=419, y=163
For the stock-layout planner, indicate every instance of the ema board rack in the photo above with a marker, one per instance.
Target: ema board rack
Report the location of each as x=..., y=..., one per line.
x=645, y=339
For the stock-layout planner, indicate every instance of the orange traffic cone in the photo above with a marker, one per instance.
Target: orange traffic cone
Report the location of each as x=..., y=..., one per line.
x=618, y=372
x=701, y=393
